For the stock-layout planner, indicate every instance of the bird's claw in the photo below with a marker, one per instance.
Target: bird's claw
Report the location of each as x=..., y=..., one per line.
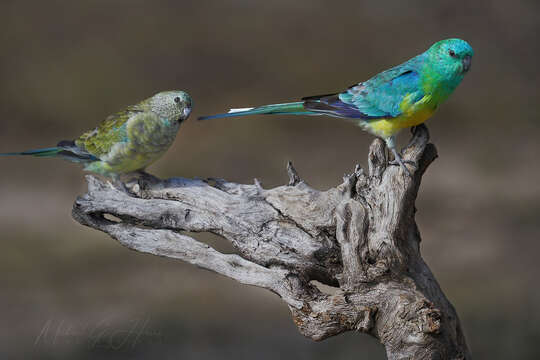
x=118, y=184
x=395, y=162
x=402, y=163
x=398, y=160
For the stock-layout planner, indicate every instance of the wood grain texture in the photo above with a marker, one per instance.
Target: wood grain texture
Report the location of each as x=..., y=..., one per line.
x=360, y=238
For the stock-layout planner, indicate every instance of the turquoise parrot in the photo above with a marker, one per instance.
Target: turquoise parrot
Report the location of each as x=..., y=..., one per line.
x=127, y=141
x=400, y=97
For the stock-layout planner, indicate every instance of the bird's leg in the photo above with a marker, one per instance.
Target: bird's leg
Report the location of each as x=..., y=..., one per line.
x=391, y=144
x=146, y=180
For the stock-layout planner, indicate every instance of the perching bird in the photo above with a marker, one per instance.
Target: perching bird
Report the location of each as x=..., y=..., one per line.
x=401, y=97
x=127, y=141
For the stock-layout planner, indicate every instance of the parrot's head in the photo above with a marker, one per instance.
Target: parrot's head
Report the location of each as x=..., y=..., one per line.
x=447, y=63
x=172, y=105
x=451, y=56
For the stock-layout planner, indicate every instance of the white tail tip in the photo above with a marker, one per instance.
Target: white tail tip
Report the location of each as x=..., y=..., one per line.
x=239, y=110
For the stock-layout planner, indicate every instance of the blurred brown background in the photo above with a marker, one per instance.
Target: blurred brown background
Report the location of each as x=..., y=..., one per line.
x=68, y=292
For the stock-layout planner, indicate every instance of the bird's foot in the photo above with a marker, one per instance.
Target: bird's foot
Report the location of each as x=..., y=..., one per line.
x=398, y=160
x=137, y=182
x=118, y=184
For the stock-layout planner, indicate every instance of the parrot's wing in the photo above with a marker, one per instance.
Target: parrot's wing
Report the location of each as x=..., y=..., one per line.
x=124, y=133
x=378, y=97
x=110, y=132
x=383, y=95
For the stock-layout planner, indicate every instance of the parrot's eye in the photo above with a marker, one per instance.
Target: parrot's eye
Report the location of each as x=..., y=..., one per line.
x=451, y=53
x=177, y=99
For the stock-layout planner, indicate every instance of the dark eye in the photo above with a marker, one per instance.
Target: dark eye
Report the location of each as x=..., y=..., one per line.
x=451, y=53
x=177, y=99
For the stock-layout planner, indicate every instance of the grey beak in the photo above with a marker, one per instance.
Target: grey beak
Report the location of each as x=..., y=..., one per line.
x=466, y=63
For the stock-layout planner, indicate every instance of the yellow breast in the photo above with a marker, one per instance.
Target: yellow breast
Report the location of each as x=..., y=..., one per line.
x=412, y=114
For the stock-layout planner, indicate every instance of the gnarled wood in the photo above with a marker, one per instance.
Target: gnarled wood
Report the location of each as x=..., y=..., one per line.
x=360, y=237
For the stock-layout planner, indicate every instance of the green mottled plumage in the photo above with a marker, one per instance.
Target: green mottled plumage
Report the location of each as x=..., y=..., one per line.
x=129, y=140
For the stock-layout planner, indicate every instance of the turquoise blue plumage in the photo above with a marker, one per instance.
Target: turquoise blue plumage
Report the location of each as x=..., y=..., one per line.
x=403, y=96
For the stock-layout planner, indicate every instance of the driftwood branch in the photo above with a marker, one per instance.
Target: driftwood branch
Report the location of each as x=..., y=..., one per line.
x=359, y=237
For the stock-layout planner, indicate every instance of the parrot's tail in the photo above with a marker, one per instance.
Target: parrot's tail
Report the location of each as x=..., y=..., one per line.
x=294, y=108
x=46, y=152
x=65, y=149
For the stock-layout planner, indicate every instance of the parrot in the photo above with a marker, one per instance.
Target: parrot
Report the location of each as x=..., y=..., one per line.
x=127, y=141
x=400, y=97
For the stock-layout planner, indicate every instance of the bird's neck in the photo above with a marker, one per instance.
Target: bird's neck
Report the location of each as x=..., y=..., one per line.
x=440, y=85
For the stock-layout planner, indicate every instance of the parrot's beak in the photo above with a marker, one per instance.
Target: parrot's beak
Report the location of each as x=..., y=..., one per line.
x=187, y=111
x=466, y=63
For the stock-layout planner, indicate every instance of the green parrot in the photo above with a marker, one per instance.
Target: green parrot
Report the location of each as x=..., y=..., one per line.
x=127, y=141
x=401, y=97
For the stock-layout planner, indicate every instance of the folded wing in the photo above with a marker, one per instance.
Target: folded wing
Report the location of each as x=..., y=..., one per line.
x=379, y=97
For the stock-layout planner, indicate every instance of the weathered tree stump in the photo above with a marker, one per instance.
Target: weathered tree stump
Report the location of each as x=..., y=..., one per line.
x=359, y=237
